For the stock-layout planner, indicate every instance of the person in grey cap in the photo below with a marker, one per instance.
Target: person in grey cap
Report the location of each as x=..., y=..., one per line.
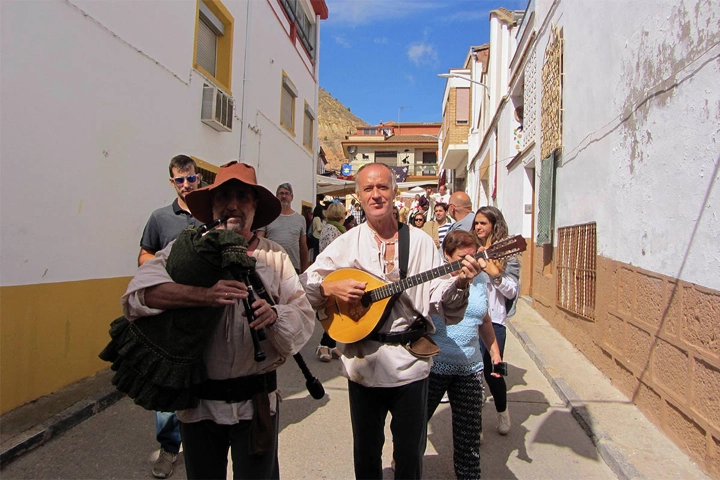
x=289, y=229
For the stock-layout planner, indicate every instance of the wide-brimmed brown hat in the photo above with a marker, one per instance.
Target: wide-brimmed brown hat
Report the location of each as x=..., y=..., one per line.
x=200, y=201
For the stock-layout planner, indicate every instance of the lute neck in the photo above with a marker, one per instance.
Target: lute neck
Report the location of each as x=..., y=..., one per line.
x=400, y=286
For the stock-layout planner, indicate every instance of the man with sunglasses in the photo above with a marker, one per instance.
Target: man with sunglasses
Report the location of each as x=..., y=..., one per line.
x=164, y=225
x=167, y=222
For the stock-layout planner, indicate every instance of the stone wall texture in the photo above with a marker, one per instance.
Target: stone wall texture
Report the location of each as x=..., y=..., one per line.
x=658, y=339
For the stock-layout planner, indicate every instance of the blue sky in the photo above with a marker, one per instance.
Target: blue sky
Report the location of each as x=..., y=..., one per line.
x=379, y=55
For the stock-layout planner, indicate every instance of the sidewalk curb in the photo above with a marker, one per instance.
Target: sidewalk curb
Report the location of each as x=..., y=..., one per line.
x=616, y=460
x=57, y=424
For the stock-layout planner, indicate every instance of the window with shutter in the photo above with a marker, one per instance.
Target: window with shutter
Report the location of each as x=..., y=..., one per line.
x=287, y=104
x=462, y=108
x=308, y=127
x=304, y=24
x=214, y=43
x=545, y=201
x=206, y=47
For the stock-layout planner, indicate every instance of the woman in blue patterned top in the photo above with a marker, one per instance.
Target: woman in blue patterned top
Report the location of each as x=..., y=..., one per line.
x=458, y=368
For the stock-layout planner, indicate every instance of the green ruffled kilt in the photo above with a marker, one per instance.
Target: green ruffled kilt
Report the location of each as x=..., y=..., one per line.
x=159, y=359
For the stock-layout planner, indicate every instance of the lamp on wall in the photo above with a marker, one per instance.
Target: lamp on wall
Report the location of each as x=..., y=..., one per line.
x=462, y=77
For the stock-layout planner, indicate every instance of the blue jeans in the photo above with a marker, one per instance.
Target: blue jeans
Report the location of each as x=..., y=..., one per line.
x=167, y=431
x=497, y=385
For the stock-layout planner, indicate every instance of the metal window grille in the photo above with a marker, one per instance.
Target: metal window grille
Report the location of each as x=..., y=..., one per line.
x=305, y=27
x=577, y=269
x=530, y=102
x=208, y=177
x=551, y=104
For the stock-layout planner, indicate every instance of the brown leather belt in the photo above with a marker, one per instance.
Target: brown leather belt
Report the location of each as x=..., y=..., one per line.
x=401, y=338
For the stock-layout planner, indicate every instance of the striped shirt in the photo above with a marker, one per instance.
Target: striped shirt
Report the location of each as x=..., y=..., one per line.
x=443, y=230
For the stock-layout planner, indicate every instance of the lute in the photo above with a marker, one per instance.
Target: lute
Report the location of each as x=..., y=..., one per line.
x=351, y=322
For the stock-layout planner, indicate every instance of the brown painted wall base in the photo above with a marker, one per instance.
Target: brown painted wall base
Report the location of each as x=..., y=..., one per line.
x=657, y=339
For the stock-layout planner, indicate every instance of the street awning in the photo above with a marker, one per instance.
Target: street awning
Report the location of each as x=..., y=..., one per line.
x=420, y=183
x=338, y=186
x=334, y=186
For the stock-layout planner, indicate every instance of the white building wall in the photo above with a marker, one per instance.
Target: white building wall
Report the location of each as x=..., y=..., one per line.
x=511, y=196
x=278, y=154
x=641, y=143
x=640, y=139
x=96, y=99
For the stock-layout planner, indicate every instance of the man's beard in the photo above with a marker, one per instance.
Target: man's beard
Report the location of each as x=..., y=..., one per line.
x=235, y=224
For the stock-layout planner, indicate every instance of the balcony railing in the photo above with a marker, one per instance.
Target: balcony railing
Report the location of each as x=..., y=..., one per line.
x=424, y=169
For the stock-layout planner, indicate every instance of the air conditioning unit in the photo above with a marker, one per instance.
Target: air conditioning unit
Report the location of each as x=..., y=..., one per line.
x=217, y=108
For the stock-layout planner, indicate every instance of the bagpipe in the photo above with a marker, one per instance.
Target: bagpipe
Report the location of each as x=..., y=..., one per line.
x=158, y=360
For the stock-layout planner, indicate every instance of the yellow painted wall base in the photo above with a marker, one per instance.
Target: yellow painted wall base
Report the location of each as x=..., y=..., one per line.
x=51, y=335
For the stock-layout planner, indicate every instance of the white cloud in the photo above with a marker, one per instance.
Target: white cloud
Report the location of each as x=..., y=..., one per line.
x=381, y=40
x=340, y=40
x=409, y=78
x=421, y=53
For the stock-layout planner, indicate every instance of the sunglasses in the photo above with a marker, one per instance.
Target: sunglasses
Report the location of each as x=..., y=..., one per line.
x=181, y=180
x=419, y=219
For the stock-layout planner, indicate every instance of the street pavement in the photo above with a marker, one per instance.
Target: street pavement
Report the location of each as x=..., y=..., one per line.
x=545, y=442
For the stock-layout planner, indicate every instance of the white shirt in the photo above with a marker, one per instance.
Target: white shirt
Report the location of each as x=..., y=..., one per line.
x=229, y=353
x=442, y=198
x=500, y=289
x=368, y=362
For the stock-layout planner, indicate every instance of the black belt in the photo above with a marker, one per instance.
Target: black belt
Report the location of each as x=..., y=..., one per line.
x=401, y=338
x=238, y=389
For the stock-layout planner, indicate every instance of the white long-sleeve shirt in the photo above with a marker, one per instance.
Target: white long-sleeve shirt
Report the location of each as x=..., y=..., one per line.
x=369, y=362
x=499, y=291
x=229, y=353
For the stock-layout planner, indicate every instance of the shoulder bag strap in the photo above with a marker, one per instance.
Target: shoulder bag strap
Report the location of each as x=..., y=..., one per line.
x=404, y=248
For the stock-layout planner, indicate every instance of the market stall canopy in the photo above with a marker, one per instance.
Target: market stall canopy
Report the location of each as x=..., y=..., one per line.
x=334, y=186
x=338, y=186
x=409, y=189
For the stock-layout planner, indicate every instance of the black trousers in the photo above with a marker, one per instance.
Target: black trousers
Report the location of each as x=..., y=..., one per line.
x=369, y=407
x=465, y=394
x=206, y=444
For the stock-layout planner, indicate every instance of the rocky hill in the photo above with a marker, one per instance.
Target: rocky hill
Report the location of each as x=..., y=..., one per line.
x=335, y=121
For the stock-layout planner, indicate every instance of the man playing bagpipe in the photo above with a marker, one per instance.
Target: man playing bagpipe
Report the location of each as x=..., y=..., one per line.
x=191, y=342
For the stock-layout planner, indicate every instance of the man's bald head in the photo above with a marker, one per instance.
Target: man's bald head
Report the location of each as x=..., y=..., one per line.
x=459, y=205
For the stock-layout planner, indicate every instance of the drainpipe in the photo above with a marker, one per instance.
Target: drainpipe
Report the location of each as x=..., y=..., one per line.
x=244, y=82
x=316, y=140
x=495, y=176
